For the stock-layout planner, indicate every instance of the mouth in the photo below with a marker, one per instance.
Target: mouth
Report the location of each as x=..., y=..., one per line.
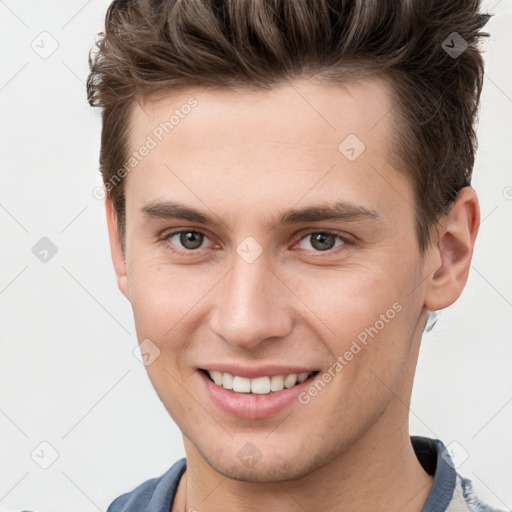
x=265, y=385
x=255, y=398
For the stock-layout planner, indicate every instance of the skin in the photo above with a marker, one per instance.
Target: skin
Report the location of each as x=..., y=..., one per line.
x=246, y=157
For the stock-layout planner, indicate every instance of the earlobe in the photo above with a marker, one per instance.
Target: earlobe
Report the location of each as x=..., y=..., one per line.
x=118, y=257
x=454, y=250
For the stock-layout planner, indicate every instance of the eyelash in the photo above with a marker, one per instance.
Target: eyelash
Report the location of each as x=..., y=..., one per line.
x=345, y=239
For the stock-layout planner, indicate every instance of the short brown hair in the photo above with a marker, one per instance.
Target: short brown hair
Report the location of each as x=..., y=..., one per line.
x=427, y=49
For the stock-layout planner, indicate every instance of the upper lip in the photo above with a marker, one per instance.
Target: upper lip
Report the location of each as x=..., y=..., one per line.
x=252, y=372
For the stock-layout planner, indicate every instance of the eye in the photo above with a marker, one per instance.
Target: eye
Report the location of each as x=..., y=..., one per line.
x=190, y=240
x=322, y=241
x=187, y=241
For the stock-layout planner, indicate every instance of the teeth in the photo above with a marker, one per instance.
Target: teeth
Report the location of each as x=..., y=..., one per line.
x=301, y=377
x=241, y=384
x=290, y=380
x=277, y=383
x=259, y=385
x=217, y=377
x=227, y=381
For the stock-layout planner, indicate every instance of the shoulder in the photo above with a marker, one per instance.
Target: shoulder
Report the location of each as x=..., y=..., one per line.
x=450, y=491
x=154, y=495
x=465, y=494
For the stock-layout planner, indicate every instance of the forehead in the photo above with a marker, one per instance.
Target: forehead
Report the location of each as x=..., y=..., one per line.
x=268, y=144
x=305, y=111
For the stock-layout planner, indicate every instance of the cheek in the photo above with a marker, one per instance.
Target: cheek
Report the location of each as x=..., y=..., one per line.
x=162, y=298
x=362, y=315
x=348, y=301
x=161, y=295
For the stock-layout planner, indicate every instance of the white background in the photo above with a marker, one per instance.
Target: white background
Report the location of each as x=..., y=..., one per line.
x=67, y=372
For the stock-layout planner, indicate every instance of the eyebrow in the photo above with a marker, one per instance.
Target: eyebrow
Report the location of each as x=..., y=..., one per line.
x=338, y=211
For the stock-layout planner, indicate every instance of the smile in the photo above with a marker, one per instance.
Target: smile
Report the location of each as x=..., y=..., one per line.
x=260, y=385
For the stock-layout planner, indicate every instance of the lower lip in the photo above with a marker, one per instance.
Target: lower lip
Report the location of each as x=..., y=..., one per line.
x=254, y=406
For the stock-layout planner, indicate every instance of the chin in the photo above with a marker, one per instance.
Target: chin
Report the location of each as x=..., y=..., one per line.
x=273, y=468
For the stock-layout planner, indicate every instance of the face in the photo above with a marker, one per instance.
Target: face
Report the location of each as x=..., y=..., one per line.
x=252, y=284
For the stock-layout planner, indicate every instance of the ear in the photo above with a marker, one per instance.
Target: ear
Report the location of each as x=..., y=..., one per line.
x=453, y=251
x=118, y=258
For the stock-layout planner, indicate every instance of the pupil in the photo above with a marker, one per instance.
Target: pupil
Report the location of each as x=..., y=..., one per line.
x=191, y=239
x=319, y=241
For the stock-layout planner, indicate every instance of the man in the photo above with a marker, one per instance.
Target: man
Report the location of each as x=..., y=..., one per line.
x=288, y=200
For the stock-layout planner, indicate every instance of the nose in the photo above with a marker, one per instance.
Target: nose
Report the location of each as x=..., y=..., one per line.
x=253, y=304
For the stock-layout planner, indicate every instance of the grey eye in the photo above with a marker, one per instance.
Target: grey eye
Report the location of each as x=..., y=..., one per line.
x=190, y=240
x=322, y=241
